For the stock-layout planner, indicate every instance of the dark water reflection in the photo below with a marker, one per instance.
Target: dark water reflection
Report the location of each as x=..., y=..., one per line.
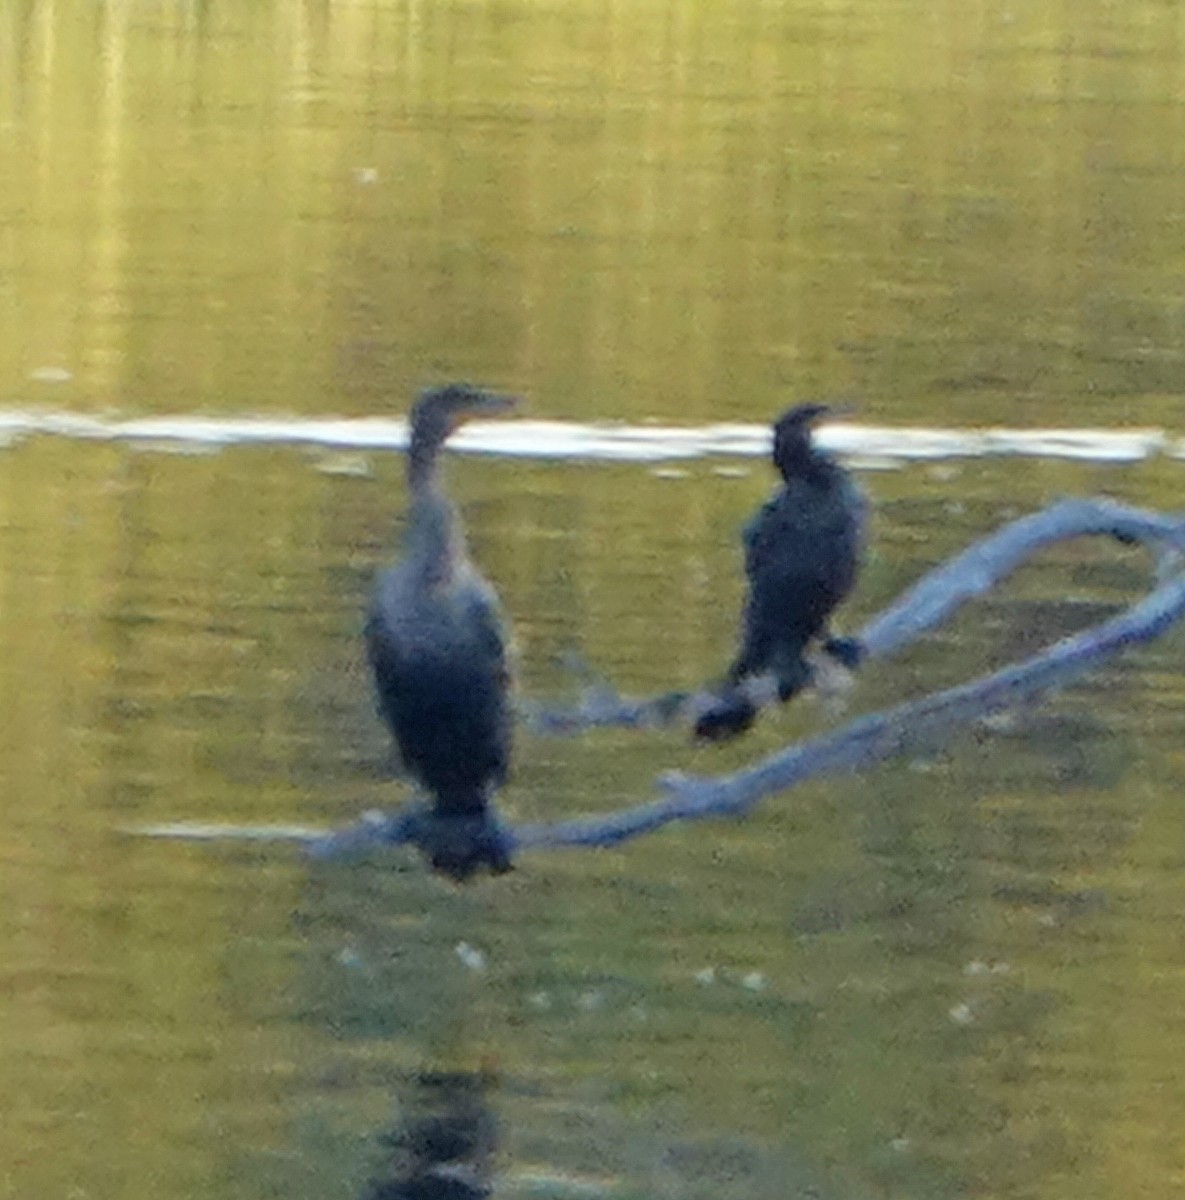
x=444, y=1146
x=952, y=975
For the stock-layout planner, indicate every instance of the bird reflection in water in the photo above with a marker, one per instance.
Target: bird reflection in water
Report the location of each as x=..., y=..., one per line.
x=443, y=1147
x=802, y=553
x=438, y=652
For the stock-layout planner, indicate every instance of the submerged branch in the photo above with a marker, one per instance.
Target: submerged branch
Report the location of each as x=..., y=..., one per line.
x=929, y=602
x=979, y=568
x=906, y=728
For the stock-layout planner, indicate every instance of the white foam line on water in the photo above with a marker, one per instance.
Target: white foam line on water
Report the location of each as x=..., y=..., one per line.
x=606, y=441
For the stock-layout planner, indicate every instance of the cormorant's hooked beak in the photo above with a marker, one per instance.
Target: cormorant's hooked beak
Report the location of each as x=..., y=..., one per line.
x=495, y=404
x=481, y=405
x=833, y=412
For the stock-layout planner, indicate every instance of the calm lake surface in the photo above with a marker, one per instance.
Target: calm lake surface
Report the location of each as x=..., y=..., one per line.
x=957, y=975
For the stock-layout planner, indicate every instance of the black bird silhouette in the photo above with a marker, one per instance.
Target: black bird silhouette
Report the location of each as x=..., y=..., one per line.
x=802, y=553
x=437, y=648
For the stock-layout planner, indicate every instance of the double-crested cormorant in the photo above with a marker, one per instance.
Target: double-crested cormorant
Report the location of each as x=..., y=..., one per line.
x=438, y=651
x=802, y=551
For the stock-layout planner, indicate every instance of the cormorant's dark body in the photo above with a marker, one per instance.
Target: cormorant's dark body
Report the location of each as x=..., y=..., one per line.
x=802, y=553
x=439, y=663
x=438, y=652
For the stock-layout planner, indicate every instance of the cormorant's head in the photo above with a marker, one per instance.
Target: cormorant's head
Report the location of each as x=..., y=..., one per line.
x=792, y=436
x=440, y=410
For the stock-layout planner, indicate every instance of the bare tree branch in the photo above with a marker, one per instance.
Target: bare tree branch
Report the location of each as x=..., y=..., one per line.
x=871, y=739
x=937, y=595
x=932, y=600
x=866, y=740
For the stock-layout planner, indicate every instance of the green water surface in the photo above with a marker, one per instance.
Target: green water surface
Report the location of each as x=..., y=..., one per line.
x=954, y=976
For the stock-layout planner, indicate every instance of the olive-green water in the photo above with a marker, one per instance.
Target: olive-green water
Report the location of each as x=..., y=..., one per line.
x=954, y=976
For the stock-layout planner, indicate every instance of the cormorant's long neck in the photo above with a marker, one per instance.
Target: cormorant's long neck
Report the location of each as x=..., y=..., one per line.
x=433, y=542
x=802, y=461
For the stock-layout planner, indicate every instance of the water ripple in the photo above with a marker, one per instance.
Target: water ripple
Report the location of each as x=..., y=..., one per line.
x=872, y=445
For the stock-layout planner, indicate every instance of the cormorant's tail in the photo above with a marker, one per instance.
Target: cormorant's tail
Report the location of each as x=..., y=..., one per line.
x=736, y=708
x=729, y=717
x=460, y=844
